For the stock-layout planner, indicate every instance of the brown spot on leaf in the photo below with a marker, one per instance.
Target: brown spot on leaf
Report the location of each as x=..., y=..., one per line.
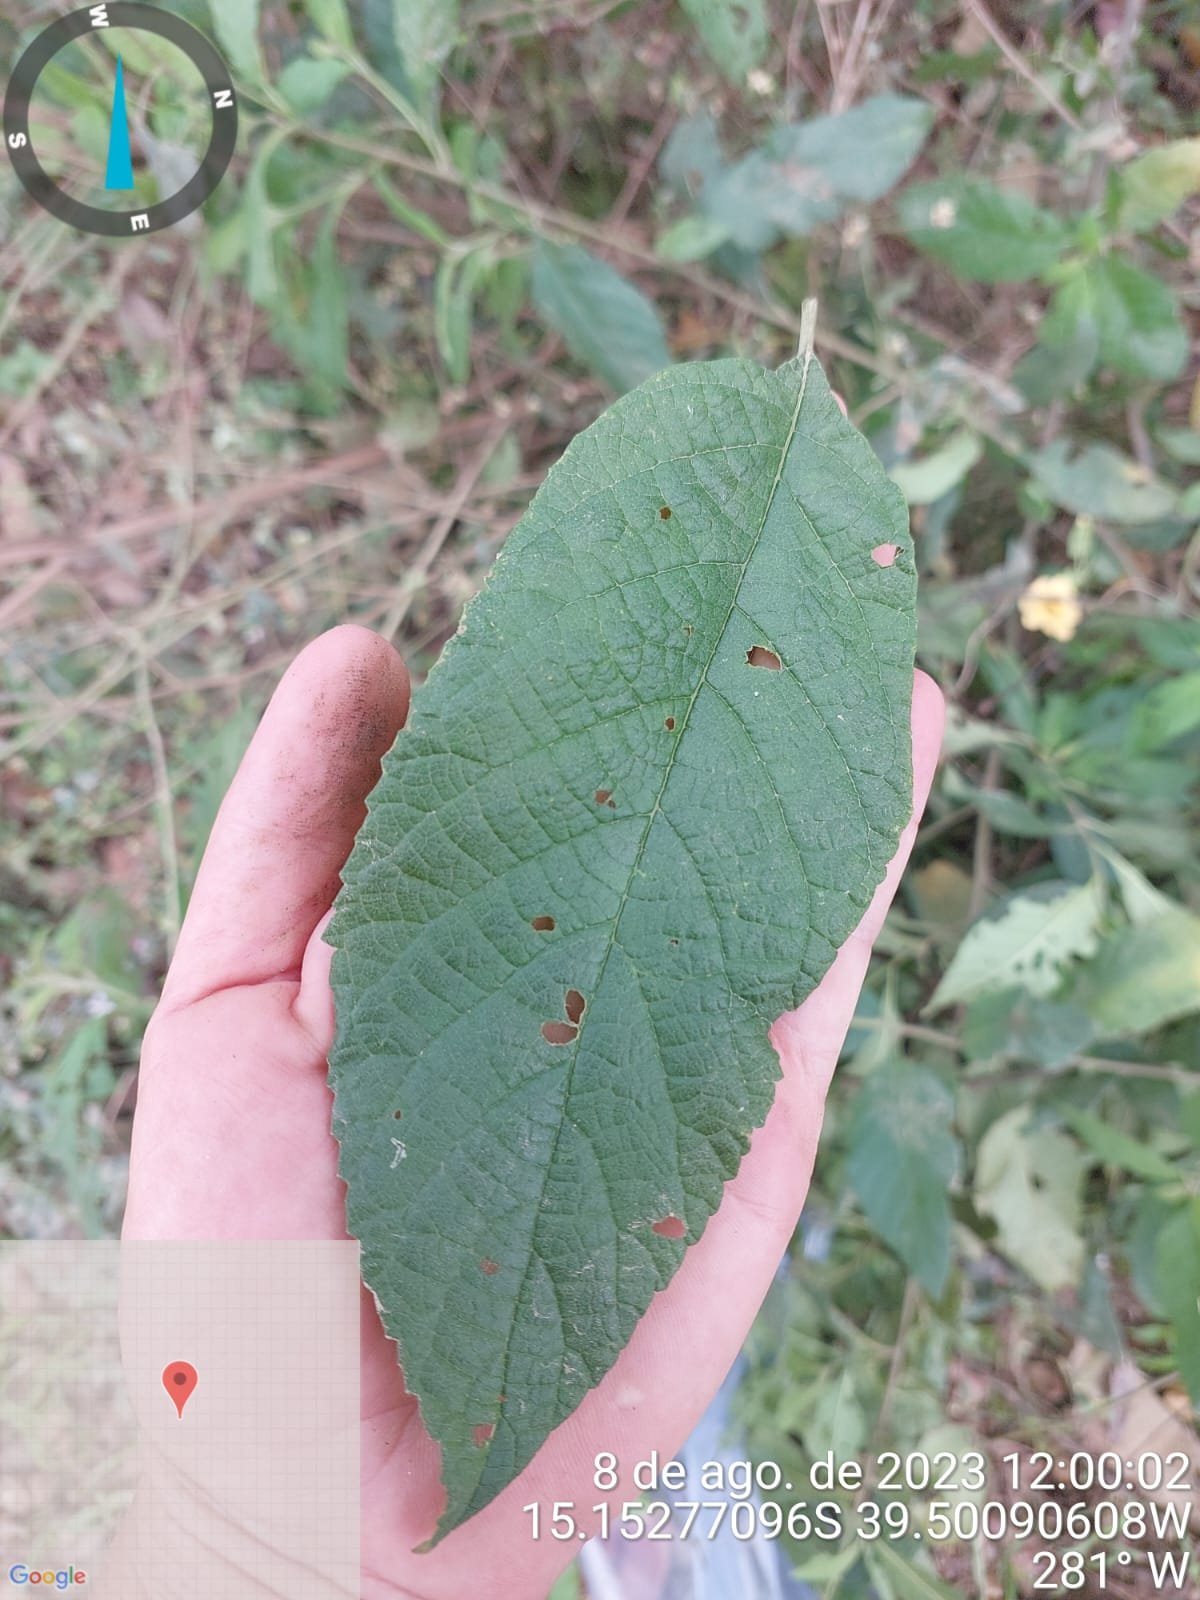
x=558, y=1032
x=759, y=656
x=542, y=924
x=575, y=1005
x=397, y=1115
x=669, y=724
x=670, y=1228
x=665, y=513
x=489, y=1266
x=482, y=1432
x=603, y=796
x=884, y=554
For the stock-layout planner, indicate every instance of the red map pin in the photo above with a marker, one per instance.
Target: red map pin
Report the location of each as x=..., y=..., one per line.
x=179, y=1379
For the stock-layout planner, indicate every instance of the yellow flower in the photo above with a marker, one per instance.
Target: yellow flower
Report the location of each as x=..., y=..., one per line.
x=1051, y=606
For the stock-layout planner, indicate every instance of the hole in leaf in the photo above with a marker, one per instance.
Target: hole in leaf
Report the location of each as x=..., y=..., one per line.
x=482, y=1432
x=542, y=924
x=558, y=1032
x=669, y=724
x=665, y=513
x=759, y=656
x=672, y=941
x=489, y=1266
x=574, y=1006
x=603, y=796
x=670, y=1228
x=688, y=629
x=884, y=554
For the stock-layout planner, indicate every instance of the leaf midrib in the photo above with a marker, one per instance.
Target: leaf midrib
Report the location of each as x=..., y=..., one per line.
x=669, y=767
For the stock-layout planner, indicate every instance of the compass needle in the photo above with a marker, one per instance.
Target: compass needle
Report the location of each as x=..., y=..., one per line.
x=119, y=172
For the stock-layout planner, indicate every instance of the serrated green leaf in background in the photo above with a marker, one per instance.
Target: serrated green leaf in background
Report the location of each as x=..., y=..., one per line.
x=982, y=232
x=1027, y=942
x=235, y=23
x=1112, y=312
x=902, y=1158
x=734, y=32
x=1146, y=975
x=1029, y=1181
x=612, y=844
x=811, y=172
x=1156, y=183
x=1099, y=481
x=607, y=323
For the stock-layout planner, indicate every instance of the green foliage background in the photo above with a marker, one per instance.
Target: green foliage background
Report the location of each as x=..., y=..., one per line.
x=449, y=236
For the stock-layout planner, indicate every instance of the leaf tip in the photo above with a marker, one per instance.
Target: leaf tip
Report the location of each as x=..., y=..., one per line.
x=808, y=329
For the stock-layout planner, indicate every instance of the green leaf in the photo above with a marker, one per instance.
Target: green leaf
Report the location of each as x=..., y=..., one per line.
x=903, y=1157
x=1015, y=1024
x=1145, y=975
x=1169, y=711
x=425, y=32
x=924, y=481
x=603, y=824
x=412, y=216
x=1100, y=482
x=692, y=156
x=235, y=23
x=607, y=323
x=569, y=1585
x=1138, y=325
x=734, y=33
x=306, y=84
x=374, y=20
x=1029, y=1181
x=1177, y=1283
x=1117, y=1149
x=1027, y=943
x=453, y=300
x=1156, y=183
x=903, y=1578
x=982, y=232
x=311, y=320
x=261, y=220
x=331, y=20
x=1182, y=443
x=809, y=172
x=1112, y=312
x=691, y=239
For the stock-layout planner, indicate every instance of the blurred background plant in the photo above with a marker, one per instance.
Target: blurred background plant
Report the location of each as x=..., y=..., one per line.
x=450, y=235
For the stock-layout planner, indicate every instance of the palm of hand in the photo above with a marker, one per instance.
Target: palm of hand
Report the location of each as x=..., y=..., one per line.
x=232, y=1137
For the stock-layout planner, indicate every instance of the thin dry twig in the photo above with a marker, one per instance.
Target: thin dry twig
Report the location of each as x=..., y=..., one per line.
x=418, y=572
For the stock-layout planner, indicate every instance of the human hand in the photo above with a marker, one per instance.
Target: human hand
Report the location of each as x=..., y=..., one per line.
x=232, y=1133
